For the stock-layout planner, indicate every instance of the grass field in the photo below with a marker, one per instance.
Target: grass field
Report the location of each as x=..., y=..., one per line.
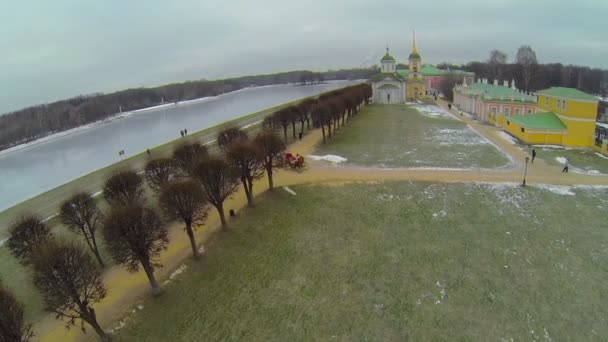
x=401, y=136
x=581, y=160
x=396, y=261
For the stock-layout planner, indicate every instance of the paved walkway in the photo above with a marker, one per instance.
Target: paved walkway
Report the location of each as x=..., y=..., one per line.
x=125, y=289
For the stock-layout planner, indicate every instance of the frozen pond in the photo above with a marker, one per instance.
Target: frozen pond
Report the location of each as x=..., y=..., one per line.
x=27, y=172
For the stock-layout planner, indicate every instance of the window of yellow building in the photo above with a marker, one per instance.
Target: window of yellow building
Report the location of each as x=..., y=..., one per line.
x=564, y=105
x=547, y=100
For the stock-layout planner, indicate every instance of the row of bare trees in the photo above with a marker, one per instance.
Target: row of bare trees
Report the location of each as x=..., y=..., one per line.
x=186, y=185
x=328, y=112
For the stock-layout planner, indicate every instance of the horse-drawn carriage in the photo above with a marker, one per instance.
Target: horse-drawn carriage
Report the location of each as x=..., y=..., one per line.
x=295, y=162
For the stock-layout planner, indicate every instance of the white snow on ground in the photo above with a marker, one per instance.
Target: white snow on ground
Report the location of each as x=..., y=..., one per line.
x=574, y=169
x=329, y=157
x=175, y=273
x=449, y=137
x=49, y=218
x=601, y=155
x=289, y=190
x=252, y=124
x=3, y=241
x=96, y=194
x=556, y=189
x=561, y=160
x=549, y=146
x=507, y=137
x=433, y=111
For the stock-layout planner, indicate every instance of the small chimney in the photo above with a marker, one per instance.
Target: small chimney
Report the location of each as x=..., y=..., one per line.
x=505, y=83
x=513, y=84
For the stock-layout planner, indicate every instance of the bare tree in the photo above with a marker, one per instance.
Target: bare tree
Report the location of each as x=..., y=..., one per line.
x=230, y=135
x=26, y=235
x=185, y=201
x=526, y=58
x=283, y=118
x=82, y=216
x=135, y=236
x=271, y=148
x=245, y=156
x=123, y=187
x=187, y=156
x=219, y=180
x=159, y=171
x=12, y=321
x=447, y=86
x=70, y=284
x=496, y=63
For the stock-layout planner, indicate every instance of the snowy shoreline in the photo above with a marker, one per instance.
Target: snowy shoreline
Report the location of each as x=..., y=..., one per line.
x=123, y=115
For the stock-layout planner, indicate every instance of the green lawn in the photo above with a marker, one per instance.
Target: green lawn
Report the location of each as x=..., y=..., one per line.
x=396, y=261
x=401, y=136
x=581, y=160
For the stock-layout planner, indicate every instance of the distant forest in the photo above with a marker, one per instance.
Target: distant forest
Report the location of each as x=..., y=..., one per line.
x=593, y=81
x=38, y=121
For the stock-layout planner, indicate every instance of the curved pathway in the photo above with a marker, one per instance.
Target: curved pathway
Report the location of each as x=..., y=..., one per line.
x=126, y=289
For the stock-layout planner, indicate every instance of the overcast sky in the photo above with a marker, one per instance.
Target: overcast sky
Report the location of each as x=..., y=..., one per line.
x=62, y=48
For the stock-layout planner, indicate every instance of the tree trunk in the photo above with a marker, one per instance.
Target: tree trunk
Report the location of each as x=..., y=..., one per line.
x=285, y=132
x=343, y=117
x=308, y=123
x=192, y=240
x=269, y=173
x=250, y=185
x=329, y=129
x=150, y=273
x=96, y=251
x=247, y=194
x=323, y=131
x=93, y=322
x=302, y=126
x=293, y=129
x=220, y=211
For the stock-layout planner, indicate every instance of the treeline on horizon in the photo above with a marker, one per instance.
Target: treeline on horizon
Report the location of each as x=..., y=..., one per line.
x=590, y=80
x=35, y=122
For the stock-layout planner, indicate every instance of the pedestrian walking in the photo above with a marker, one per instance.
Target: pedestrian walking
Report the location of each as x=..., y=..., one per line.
x=185, y=131
x=565, y=169
x=300, y=135
x=449, y=106
x=181, y=133
x=533, y=154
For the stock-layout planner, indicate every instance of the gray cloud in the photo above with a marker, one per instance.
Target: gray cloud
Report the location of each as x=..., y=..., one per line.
x=58, y=49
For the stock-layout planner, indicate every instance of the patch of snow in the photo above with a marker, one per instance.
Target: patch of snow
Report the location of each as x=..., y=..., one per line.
x=175, y=273
x=289, y=190
x=49, y=218
x=601, y=155
x=442, y=213
x=140, y=307
x=252, y=124
x=550, y=146
x=96, y=194
x=3, y=241
x=506, y=136
x=508, y=233
x=210, y=142
x=329, y=157
x=561, y=160
x=556, y=189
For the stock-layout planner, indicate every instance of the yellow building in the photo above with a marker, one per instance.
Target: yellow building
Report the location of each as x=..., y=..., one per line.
x=565, y=116
x=416, y=84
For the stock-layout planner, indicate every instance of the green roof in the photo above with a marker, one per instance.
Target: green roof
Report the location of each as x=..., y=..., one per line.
x=547, y=121
x=388, y=57
x=431, y=70
x=414, y=55
x=496, y=93
x=390, y=75
x=388, y=86
x=570, y=93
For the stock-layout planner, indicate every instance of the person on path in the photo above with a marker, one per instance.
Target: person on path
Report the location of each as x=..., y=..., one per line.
x=181, y=133
x=565, y=169
x=533, y=154
x=300, y=134
x=185, y=131
x=449, y=106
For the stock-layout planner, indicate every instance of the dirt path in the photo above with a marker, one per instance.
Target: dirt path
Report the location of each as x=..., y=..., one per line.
x=125, y=289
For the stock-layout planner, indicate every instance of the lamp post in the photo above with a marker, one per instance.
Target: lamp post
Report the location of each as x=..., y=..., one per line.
x=525, y=172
